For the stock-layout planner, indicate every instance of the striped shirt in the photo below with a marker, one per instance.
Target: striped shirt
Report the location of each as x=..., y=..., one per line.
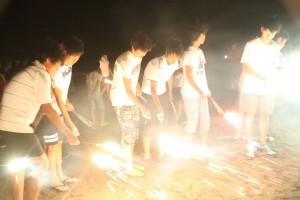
x=23, y=97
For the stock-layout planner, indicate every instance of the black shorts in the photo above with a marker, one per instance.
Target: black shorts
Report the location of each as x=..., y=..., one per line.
x=177, y=94
x=48, y=133
x=20, y=145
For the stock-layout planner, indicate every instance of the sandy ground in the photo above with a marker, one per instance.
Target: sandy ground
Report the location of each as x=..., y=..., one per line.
x=226, y=174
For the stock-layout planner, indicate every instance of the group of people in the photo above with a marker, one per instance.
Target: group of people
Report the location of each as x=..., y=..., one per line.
x=35, y=100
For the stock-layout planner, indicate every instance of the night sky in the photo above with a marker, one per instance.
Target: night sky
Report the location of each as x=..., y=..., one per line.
x=107, y=25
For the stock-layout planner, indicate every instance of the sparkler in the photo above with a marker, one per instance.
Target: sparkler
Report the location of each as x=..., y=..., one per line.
x=174, y=110
x=231, y=117
x=84, y=120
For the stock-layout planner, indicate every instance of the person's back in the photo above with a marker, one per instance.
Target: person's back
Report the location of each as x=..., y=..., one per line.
x=20, y=102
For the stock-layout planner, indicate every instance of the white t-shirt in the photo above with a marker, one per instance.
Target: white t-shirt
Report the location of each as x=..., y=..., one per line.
x=127, y=66
x=264, y=60
x=91, y=81
x=62, y=80
x=23, y=97
x=195, y=58
x=104, y=66
x=158, y=70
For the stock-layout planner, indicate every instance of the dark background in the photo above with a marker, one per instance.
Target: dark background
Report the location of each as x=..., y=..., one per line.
x=107, y=25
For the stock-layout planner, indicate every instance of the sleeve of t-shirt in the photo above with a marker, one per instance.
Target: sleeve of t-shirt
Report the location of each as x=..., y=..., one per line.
x=42, y=88
x=126, y=68
x=189, y=60
x=58, y=80
x=247, y=56
x=152, y=73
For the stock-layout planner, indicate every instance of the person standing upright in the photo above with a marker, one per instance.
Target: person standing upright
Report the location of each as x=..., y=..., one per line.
x=124, y=91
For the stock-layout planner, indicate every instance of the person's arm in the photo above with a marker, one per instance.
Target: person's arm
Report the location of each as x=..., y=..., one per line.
x=58, y=122
x=133, y=97
x=64, y=109
x=247, y=69
x=170, y=88
x=155, y=97
x=190, y=78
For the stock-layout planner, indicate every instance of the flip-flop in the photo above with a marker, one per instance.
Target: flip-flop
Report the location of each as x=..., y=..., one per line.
x=70, y=180
x=60, y=188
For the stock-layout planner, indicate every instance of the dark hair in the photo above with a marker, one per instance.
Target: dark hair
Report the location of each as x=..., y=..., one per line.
x=271, y=23
x=141, y=41
x=73, y=45
x=284, y=35
x=196, y=30
x=52, y=49
x=174, y=46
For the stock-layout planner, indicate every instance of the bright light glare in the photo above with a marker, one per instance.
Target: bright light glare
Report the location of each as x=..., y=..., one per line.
x=233, y=118
x=18, y=164
x=105, y=161
x=225, y=56
x=177, y=147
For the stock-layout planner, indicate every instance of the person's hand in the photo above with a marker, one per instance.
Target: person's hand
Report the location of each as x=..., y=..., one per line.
x=207, y=93
x=139, y=92
x=69, y=106
x=145, y=113
x=72, y=138
x=160, y=114
x=75, y=131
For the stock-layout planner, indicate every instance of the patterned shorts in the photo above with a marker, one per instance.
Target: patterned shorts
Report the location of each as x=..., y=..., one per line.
x=128, y=117
x=197, y=113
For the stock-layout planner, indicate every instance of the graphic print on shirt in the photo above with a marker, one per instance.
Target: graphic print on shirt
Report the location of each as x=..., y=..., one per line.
x=200, y=68
x=67, y=71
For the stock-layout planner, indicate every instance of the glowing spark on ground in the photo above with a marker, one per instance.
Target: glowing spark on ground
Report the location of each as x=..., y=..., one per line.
x=177, y=147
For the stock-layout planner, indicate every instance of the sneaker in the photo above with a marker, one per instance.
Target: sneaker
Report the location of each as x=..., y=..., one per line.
x=250, y=151
x=268, y=150
x=104, y=123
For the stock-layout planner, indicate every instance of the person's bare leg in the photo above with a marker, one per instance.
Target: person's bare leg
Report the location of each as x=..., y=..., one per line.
x=179, y=110
x=146, y=145
x=94, y=115
x=128, y=153
x=51, y=154
x=204, y=135
x=249, y=125
x=108, y=91
x=17, y=184
x=102, y=116
x=37, y=176
x=59, y=169
x=263, y=128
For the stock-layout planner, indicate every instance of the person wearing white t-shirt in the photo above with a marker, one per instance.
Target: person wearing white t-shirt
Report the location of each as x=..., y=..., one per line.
x=52, y=138
x=124, y=91
x=158, y=73
x=194, y=89
x=106, y=74
x=259, y=61
x=27, y=92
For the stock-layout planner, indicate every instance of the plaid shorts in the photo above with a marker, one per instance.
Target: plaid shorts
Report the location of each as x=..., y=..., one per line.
x=129, y=118
x=197, y=113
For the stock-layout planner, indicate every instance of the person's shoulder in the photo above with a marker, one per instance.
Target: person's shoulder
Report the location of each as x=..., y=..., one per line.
x=254, y=41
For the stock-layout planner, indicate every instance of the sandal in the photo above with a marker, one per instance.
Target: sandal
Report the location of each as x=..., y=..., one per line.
x=60, y=188
x=70, y=180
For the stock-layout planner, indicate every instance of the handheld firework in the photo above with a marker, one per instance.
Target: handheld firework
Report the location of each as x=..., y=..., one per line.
x=217, y=107
x=84, y=120
x=231, y=117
